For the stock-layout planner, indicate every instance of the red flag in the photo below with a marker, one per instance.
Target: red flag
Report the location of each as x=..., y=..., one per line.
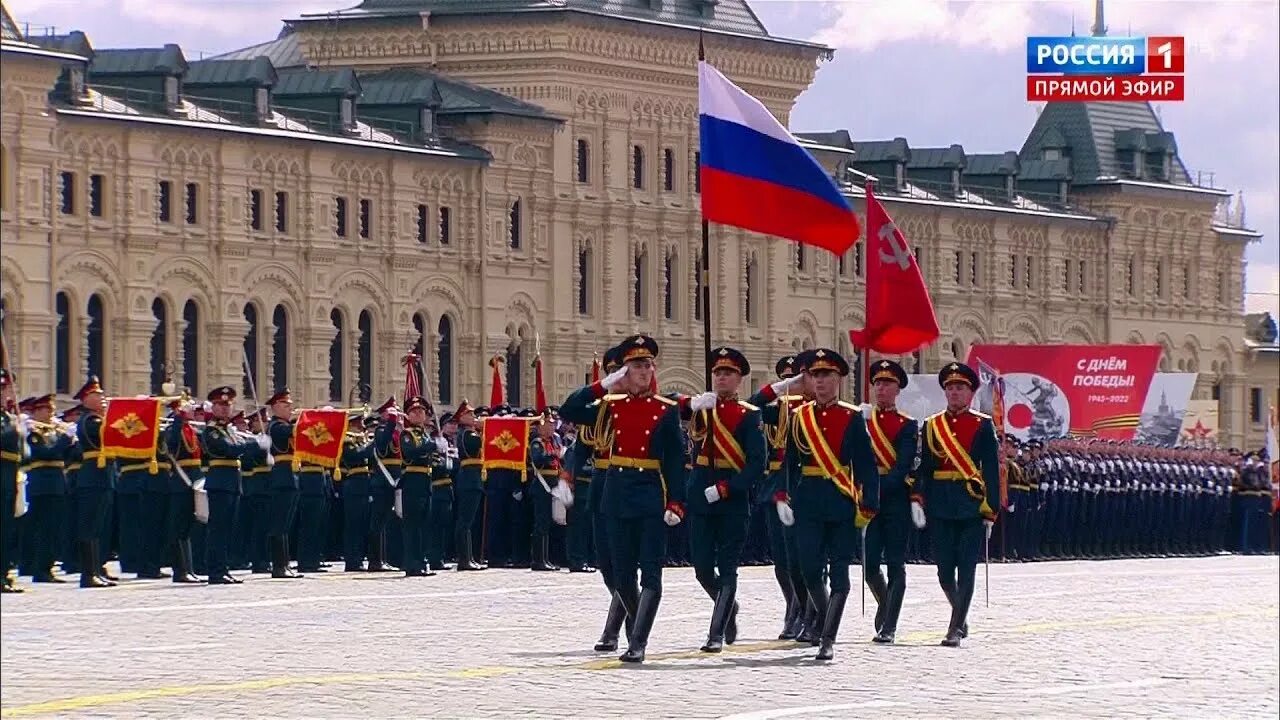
x=411, y=386
x=540, y=392
x=495, y=394
x=900, y=317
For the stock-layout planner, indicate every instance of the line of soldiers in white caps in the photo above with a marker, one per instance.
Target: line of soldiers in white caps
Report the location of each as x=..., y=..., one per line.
x=1075, y=499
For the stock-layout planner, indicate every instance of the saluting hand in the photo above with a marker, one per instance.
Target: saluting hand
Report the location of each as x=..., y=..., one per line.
x=612, y=379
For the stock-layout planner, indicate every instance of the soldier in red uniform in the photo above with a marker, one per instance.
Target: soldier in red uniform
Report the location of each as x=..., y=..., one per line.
x=645, y=487
x=959, y=481
x=729, y=457
x=830, y=503
x=894, y=443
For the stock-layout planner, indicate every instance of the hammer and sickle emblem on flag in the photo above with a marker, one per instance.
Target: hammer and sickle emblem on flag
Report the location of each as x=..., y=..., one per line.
x=896, y=252
x=129, y=426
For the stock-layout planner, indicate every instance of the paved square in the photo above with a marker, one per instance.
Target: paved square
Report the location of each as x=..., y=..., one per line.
x=1176, y=637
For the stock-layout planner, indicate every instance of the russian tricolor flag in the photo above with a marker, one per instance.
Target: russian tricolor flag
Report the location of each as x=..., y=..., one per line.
x=755, y=175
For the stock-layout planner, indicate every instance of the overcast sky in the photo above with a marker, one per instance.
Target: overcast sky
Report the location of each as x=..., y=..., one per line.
x=932, y=71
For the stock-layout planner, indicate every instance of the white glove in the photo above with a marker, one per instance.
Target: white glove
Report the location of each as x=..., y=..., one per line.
x=563, y=493
x=670, y=518
x=563, y=449
x=705, y=401
x=442, y=445
x=1012, y=508
x=264, y=442
x=518, y=495
x=785, y=515
x=559, y=513
x=917, y=515
x=988, y=524
x=271, y=459
x=712, y=494
x=781, y=387
x=614, y=378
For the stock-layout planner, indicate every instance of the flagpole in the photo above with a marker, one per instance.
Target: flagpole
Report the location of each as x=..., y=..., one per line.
x=706, y=268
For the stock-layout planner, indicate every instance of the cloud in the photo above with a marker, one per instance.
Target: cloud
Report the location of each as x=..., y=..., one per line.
x=1232, y=31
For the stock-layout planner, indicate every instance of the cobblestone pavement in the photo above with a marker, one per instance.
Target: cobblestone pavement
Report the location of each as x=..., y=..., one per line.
x=1175, y=637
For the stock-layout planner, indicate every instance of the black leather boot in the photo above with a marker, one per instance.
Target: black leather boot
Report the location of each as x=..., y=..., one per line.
x=538, y=550
x=958, y=629
x=831, y=626
x=789, y=617
x=88, y=561
x=897, y=589
x=466, y=562
x=813, y=626
x=646, y=611
x=720, y=620
x=182, y=565
x=280, y=558
x=951, y=598
x=101, y=567
x=880, y=591
x=608, y=641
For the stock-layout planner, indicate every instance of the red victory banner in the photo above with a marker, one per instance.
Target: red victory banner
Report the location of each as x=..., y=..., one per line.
x=1080, y=390
x=317, y=438
x=131, y=430
x=505, y=445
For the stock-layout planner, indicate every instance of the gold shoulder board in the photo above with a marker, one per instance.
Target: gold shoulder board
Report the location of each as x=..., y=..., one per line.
x=849, y=406
x=665, y=399
x=748, y=405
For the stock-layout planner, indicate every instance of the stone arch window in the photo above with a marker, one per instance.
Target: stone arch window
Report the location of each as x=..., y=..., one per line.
x=515, y=366
x=751, y=296
x=583, y=161
x=337, y=379
x=640, y=281
x=637, y=167
x=420, y=345
x=191, y=346
x=96, y=336
x=280, y=349
x=159, y=344
x=802, y=257
x=62, y=344
x=669, y=279
x=252, y=340
x=514, y=222
x=364, y=353
x=444, y=360
x=668, y=170
x=584, y=279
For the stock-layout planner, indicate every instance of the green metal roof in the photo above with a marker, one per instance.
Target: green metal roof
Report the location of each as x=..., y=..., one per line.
x=895, y=150
x=834, y=138
x=450, y=96
x=301, y=82
x=459, y=97
x=76, y=43
x=729, y=16
x=947, y=157
x=283, y=52
x=1036, y=169
x=1005, y=163
x=167, y=60
x=1093, y=132
x=257, y=72
x=400, y=87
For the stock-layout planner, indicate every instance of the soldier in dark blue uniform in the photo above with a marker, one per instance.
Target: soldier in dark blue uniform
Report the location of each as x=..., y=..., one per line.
x=423, y=463
x=382, y=487
x=441, y=525
x=255, y=472
x=12, y=451
x=645, y=488
x=153, y=510
x=776, y=407
x=283, y=483
x=578, y=462
x=894, y=443
x=48, y=448
x=186, y=456
x=314, y=489
x=730, y=456
x=224, y=447
x=959, y=479
x=355, y=480
x=830, y=502
x=468, y=488
x=94, y=485
x=546, y=455
x=128, y=512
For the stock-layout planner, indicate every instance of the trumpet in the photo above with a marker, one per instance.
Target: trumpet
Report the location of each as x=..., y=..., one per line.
x=55, y=426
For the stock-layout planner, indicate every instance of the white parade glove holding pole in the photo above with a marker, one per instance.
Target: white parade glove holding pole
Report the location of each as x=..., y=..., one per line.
x=442, y=445
x=613, y=378
x=917, y=515
x=563, y=493
x=988, y=524
x=785, y=514
x=712, y=494
x=781, y=387
x=670, y=518
x=264, y=441
x=518, y=495
x=705, y=401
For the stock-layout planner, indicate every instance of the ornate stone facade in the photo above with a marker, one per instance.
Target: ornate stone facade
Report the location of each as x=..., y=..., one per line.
x=573, y=235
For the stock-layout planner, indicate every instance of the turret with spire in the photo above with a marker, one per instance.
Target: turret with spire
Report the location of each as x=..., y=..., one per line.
x=1099, y=24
